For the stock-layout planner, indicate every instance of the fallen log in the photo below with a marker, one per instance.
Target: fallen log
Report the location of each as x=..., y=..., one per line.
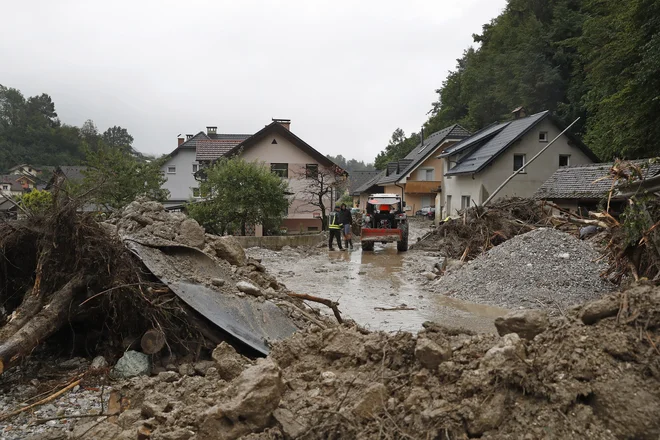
x=332, y=304
x=43, y=324
x=152, y=341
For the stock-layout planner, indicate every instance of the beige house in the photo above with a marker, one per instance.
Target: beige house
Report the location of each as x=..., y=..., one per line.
x=418, y=176
x=308, y=172
x=477, y=165
x=275, y=145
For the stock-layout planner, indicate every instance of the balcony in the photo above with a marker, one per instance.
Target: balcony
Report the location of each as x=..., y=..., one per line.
x=423, y=187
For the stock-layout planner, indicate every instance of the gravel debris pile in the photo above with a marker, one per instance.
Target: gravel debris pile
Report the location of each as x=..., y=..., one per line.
x=542, y=268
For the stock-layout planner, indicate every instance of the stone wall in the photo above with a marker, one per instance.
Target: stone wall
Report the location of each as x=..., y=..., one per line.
x=277, y=242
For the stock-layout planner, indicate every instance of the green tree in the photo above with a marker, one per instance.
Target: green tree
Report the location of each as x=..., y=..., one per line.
x=114, y=177
x=240, y=193
x=117, y=137
x=36, y=202
x=30, y=131
x=621, y=50
x=398, y=147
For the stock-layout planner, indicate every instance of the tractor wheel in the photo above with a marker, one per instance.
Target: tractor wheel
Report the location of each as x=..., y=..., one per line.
x=402, y=245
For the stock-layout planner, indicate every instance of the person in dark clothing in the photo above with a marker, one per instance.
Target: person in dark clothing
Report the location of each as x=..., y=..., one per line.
x=334, y=227
x=346, y=222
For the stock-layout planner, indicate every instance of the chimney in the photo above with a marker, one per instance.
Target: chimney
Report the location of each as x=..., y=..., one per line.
x=211, y=130
x=286, y=123
x=519, y=112
x=189, y=136
x=180, y=141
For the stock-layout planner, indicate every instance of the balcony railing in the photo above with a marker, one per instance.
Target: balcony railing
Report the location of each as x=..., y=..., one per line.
x=423, y=186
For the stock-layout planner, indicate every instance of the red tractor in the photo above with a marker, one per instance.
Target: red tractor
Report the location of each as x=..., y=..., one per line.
x=385, y=221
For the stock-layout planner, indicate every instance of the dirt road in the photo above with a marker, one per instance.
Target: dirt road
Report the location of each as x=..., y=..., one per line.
x=367, y=284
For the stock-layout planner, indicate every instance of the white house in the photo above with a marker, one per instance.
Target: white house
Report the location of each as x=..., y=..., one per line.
x=477, y=165
x=182, y=163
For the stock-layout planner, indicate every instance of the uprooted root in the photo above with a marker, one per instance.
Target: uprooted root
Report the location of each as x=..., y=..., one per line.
x=479, y=229
x=67, y=268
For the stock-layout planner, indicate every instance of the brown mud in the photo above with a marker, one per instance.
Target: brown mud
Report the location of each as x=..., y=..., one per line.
x=575, y=380
x=380, y=289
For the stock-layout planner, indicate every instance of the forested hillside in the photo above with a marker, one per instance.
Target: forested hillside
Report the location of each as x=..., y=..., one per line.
x=350, y=164
x=596, y=59
x=31, y=132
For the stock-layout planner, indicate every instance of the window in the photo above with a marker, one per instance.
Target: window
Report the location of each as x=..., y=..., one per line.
x=448, y=204
x=518, y=162
x=5, y=187
x=281, y=169
x=465, y=202
x=426, y=201
x=195, y=168
x=564, y=160
x=543, y=136
x=197, y=193
x=311, y=170
x=171, y=170
x=425, y=174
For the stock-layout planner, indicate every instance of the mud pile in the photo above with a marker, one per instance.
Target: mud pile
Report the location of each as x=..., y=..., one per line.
x=542, y=268
x=594, y=373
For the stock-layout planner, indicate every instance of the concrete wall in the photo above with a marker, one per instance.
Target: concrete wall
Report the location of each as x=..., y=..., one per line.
x=278, y=242
x=481, y=185
x=180, y=183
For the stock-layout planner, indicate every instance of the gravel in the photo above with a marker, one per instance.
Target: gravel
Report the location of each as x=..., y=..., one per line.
x=543, y=268
x=66, y=412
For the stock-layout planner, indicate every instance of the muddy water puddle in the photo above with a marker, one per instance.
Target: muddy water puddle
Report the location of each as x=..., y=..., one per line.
x=368, y=285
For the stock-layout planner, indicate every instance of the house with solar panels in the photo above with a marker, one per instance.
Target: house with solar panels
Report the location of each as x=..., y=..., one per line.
x=418, y=176
x=478, y=164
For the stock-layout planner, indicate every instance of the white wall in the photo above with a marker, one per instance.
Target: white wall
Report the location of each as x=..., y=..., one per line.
x=480, y=186
x=180, y=184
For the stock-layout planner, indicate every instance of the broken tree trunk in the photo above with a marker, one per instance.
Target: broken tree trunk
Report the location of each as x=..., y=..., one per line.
x=152, y=341
x=43, y=324
x=32, y=302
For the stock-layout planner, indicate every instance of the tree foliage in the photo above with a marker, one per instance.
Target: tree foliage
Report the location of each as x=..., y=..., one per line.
x=114, y=177
x=36, y=202
x=31, y=132
x=398, y=148
x=594, y=59
x=240, y=193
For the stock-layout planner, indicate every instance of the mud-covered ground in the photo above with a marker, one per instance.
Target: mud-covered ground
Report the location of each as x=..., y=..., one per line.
x=367, y=284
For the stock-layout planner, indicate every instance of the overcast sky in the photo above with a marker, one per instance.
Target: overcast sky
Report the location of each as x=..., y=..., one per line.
x=347, y=73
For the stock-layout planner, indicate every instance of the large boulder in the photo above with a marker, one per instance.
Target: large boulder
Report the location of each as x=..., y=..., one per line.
x=132, y=364
x=229, y=363
x=526, y=323
x=228, y=248
x=253, y=397
x=594, y=311
x=431, y=354
x=371, y=401
x=191, y=234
